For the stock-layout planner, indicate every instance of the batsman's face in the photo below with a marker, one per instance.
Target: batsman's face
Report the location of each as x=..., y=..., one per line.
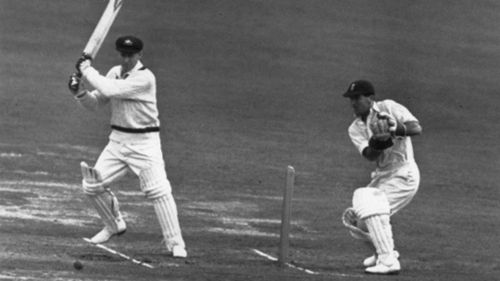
x=361, y=105
x=129, y=60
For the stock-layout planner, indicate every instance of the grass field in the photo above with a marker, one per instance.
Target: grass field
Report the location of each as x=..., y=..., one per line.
x=246, y=88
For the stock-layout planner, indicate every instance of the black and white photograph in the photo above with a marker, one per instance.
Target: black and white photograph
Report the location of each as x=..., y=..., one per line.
x=242, y=140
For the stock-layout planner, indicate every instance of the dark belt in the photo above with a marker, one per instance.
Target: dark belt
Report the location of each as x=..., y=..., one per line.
x=136, y=130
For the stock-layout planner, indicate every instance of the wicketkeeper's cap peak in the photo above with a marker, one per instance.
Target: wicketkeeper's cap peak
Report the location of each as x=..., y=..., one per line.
x=128, y=44
x=359, y=87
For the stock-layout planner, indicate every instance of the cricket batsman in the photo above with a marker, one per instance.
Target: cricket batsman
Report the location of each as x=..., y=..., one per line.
x=381, y=132
x=129, y=89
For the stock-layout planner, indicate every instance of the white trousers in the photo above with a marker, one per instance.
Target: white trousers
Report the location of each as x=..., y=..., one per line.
x=143, y=153
x=118, y=158
x=400, y=185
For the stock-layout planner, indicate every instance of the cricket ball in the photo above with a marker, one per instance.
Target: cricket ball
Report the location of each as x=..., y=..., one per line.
x=77, y=265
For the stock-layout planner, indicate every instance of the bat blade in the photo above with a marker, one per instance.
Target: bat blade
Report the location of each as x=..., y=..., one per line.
x=101, y=30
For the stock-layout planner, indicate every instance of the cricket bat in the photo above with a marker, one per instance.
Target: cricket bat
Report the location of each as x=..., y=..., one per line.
x=101, y=30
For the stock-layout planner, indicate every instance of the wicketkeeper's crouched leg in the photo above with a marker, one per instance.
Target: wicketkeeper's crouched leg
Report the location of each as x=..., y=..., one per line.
x=105, y=202
x=155, y=185
x=372, y=207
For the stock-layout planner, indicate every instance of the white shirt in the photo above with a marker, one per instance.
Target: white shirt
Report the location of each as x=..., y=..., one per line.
x=132, y=96
x=401, y=152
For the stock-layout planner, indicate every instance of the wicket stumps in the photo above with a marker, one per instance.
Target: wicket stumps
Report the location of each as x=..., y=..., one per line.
x=285, y=217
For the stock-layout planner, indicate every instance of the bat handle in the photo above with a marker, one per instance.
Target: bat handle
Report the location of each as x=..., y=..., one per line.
x=87, y=56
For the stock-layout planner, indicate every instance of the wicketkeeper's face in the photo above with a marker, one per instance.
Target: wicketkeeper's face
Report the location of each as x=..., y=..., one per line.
x=361, y=105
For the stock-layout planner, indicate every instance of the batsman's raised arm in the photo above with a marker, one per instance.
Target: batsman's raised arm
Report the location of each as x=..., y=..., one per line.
x=111, y=85
x=90, y=100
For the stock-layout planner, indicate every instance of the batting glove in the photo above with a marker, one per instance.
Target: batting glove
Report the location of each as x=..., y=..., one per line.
x=76, y=86
x=83, y=63
x=74, y=83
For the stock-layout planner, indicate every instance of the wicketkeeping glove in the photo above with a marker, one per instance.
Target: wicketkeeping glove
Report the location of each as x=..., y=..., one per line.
x=379, y=126
x=380, y=142
x=383, y=127
x=395, y=127
x=390, y=121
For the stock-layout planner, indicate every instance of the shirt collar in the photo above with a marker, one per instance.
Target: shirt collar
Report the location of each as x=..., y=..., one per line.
x=135, y=68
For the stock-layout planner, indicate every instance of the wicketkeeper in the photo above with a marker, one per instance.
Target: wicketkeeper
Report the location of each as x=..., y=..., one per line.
x=134, y=143
x=381, y=132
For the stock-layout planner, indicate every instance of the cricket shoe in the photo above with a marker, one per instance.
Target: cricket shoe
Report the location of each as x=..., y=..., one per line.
x=105, y=234
x=179, y=251
x=383, y=269
x=372, y=260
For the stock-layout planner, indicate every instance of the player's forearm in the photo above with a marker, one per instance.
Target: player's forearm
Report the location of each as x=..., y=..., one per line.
x=412, y=129
x=90, y=101
x=100, y=83
x=117, y=88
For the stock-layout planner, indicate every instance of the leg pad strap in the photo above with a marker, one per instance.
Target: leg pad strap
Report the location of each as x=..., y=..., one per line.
x=92, y=181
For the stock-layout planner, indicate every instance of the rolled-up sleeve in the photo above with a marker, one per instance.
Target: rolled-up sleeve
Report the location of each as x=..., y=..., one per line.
x=358, y=137
x=400, y=112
